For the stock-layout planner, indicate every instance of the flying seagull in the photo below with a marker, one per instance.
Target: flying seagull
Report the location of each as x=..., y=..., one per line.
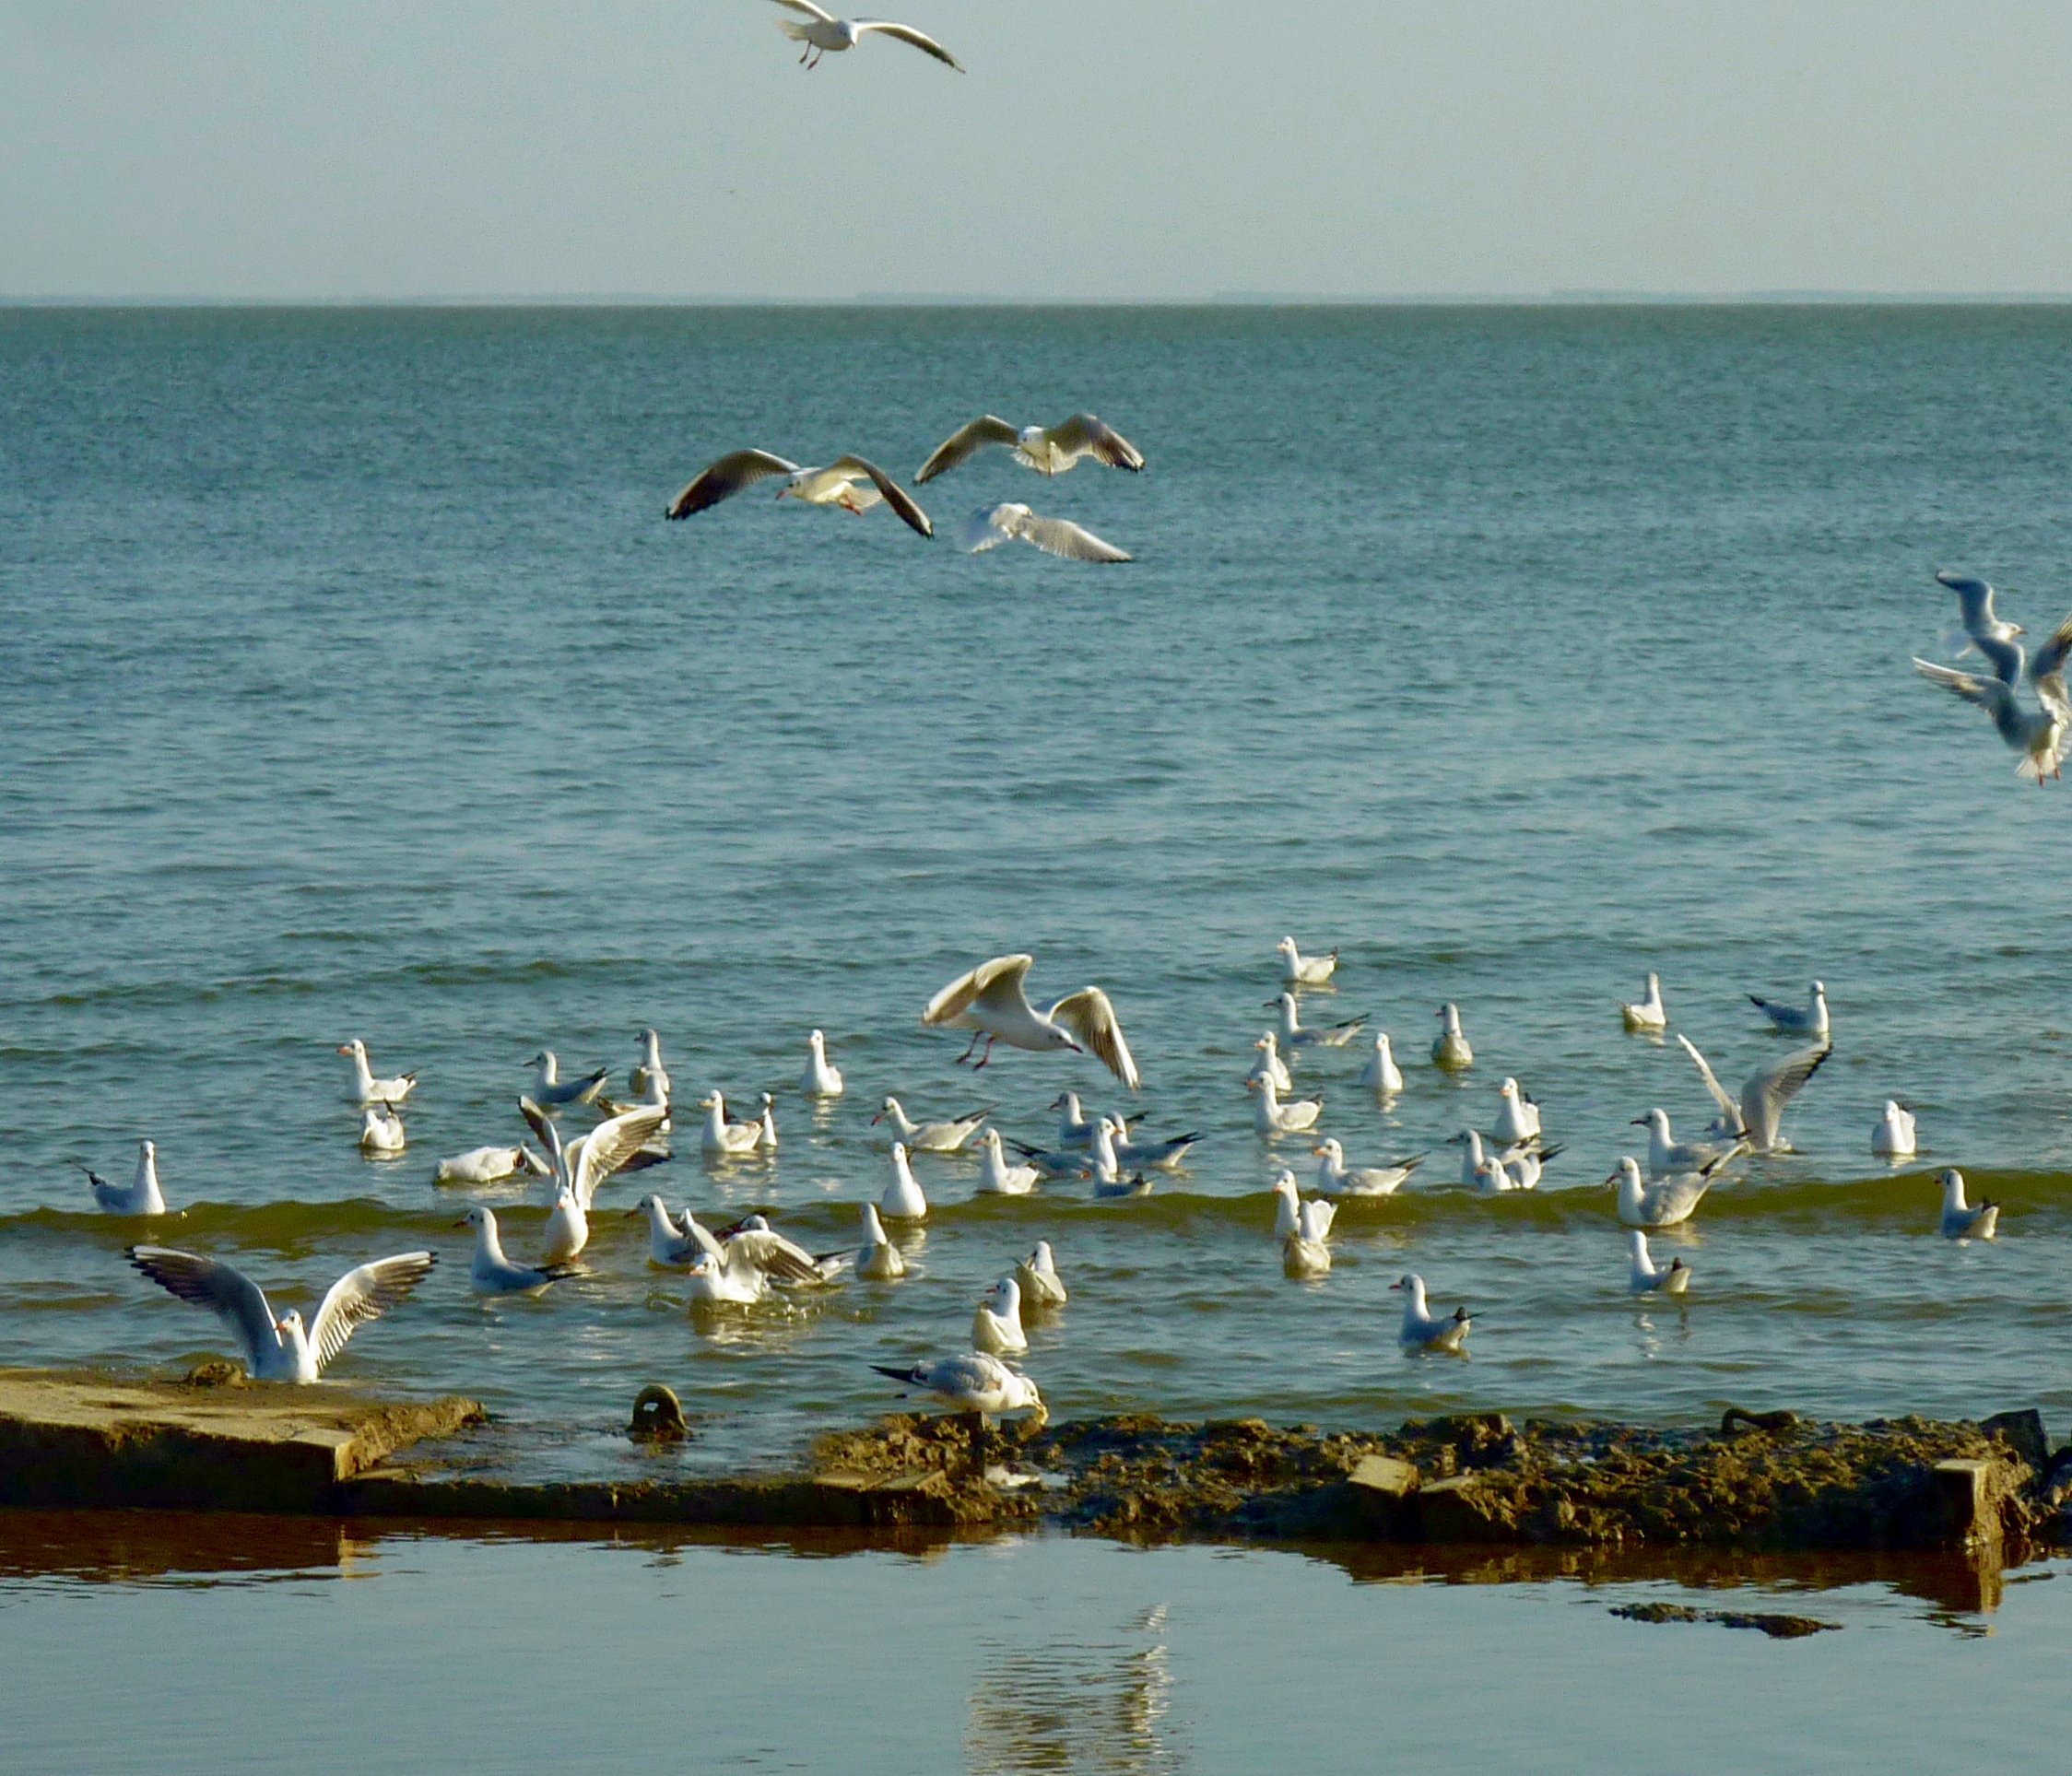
x=992, y=1002
x=821, y=32
x=835, y=484
x=2040, y=736
x=1047, y=450
x=992, y=525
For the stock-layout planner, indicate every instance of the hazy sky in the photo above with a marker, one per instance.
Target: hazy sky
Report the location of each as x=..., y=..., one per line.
x=1125, y=148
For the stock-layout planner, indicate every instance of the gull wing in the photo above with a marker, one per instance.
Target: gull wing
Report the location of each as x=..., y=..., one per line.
x=895, y=496
x=1974, y=599
x=2006, y=658
x=362, y=1295
x=775, y=1256
x=2047, y=671
x=962, y=446
x=1728, y=1108
x=1313, y=1221
x=1089, y=1016
x=998, y=982
x=1062, y=536
x=809, y=9
x=728, y=475
x=611, y=1146
x=990, y=526
x=1766, y=1094
x=700, y=1235
x=1990, y=694
x=907, y=34
x=1087, y=432
x=225, y=1291
x=542, y=1126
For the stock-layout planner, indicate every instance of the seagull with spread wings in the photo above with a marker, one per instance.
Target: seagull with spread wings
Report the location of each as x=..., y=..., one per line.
x=1049, y=450
x=822, y=31
x=1753, y=1119
x=991, y=1001
x=992, y=525
x=849, y=482
x=2042, y=734
x=280, y=1349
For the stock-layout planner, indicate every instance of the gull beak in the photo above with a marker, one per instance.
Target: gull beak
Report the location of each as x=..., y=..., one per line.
x=344, y=1048
x=460, y=1224
x=874, y=1121
x=1613, y=1178
x=1396, y=1288
x=1638, y=1121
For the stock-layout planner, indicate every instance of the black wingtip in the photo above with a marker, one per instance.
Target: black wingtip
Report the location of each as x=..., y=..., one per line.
x=895, y=1374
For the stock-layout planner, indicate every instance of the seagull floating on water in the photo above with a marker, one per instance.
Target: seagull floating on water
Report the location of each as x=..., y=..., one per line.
x=997, y=1177
x=566, y=1230
x=1381, y=1073
x=1755, y=1117
x=1893, y=1136
x=1271, y=1117
x=877, y=1260
x=822, y=32
x=1303, y=1229
x=1658, y=1205
x=952, y=1137
x=1294, y=1035
x=1049, y=451
x=1515, y=1167
x=491, y=1273
x=973, y=1383
x=491, y=1165
x=903, y=1199
x=1450, y=1048
x=1811, y=1019
x=722, y=1138
x=1336, y=1178
x=849, y=482
x=1649, y=1014
x=1009, y=522
x=992, y=1002
x=142, y=1196
x=1517, y=1115
x=650, y=1078
x=381, y=1131
x=766, y=1125
x=823, y=1078
x=1960, y=1220
x=1041, y=1287
x=550, y=1092
x=1301, y=971
x=366, y=1088
x=1644, y=1276
x=996, y=1325
x=1270, y=1066
x=280, y=1350
x=669, y=1244
x=1667, y=1157
x=1421, y=1331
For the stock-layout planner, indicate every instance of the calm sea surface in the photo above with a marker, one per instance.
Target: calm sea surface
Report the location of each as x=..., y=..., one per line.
x=352, y=684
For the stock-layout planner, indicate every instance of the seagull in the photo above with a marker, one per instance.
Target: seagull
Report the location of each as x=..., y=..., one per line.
x=1754, y=1118
x=903, y=1199
x=493, y=1274
x=1292, y=1034
x=142, y=1197
x=717, y=1278
x=1659, y=1205
x=365, y=1088
x=278, y=1349
x=550, y=1092
x=996, y=1326
x=1301, y=971
x=931, y=1137
x=993, y=1001
x=1041, y=1287
x=1103, y=1160
x=1667, y=1157
x=1381, y=1073
x=566, y=1230
x=823, y=1078
x=1517, y=1115
x=491, y=1165
x=1272, y=1117
x=1421, y=1331
x=650, y=1079
x=1449, y=1048
x=834, y=485
x=1960, y=1221
x=1649, y=1015
x=1525, y=1165
x=1270, y=1066
x=1791, y=1021
x=973, y=1383
x=669, y=1244
x=783, y=1260
x=1518, y=1168
x=1893, y=1136
x=997, y=1177
x=821, y=32
x=1289, y=1205
x=2040, y=738
x=990, y=526
x=878, y=1260
x=380, y=1130
x=1644, y=1276
x=586, y=1162
x=766, y=1125
x=1979, y=630
x=1336, y=1178
x=1049, y=450
x=1111, y=1190
x=1075, y=1128
x=1165, y=1155
x=1304, y=1250
x=721, y=1138
x=1053, y=1164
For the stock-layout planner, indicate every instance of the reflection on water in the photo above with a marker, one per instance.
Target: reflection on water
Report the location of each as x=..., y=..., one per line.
x=1075, y=1704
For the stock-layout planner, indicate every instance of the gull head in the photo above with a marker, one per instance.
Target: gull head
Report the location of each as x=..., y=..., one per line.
x=891, y=1107
x=1820, y=988
x=1629, y=1171
x=290, y=1325
x=1656, y=1121
x=147, y=1149
x=814, y=1038
x=1953, y=1185
x=354, y=1047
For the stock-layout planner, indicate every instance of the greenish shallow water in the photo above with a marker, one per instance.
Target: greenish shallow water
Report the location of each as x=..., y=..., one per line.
x=352, y=684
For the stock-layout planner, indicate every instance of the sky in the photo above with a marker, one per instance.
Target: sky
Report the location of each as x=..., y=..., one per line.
x=1095, y=150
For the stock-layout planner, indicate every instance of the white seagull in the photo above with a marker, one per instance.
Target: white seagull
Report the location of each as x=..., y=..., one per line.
x=1978, y=628
x=566, y=1230
x=1893, y=1136
x=491, y=1273
x=1336, y=1178
x=1293, y=1034
x=1754, y=1118
x=1421, y=1331
x=973, y=1383
x=952, y=1137
x=1649, y=1015
x=1809, y=1019
x=996, y=1325
x=1658, y=1205
x=753, y=1241
x=721, y=1138
x=837, y=484
x=877, y=1260
x=823, y=1078
x=550, y=1092
x=1272, y=1117
x=1306, y=1251
x=1960, y=1220
x=1270, y=1066
x=1301, y=971
x=366, y=1088
x=650, y=1079
x=280, y=1350
x=1450, y=1048
x=1289, y=1206
x=588, y=1161
x=2040, y=736
x=997, y=1177
x=1517, y=1115
x=1075, y=1128
x=990, y=526
x=380, y=1130
x=1381, y=1073
x=992, y=1002
x=143, y=1196
x=1644, y=1276
x=1667, y=1157
x=491, y=1165
x=1041, y=1287
x=1047, y=450
x=766, y=1125
x=903, y=1199
x=669, y=1244
x=822, y=31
